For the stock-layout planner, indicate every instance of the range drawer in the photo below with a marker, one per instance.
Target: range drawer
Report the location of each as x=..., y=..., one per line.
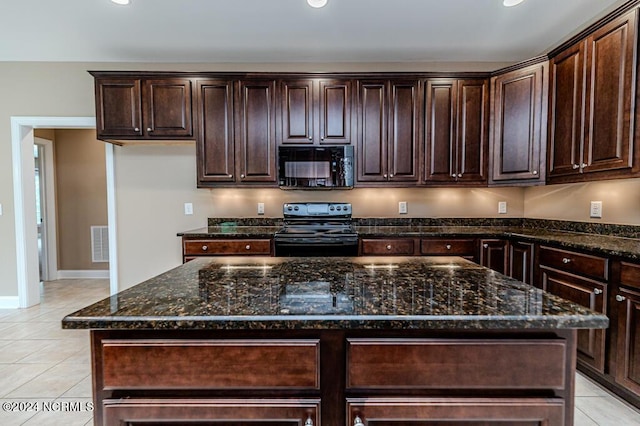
x=448, y=247
x=397, y=246
x=455, y=364
x=226, y=247
x=210, y=364
x=630, y=275
x=576, y=263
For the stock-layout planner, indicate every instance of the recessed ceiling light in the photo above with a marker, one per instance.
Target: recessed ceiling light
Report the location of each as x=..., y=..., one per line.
x=509, y=3
x=122, y=2
x=317, y=3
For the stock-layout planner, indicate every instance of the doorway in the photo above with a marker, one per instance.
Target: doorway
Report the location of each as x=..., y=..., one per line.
x=45, y=209
x=27, y=259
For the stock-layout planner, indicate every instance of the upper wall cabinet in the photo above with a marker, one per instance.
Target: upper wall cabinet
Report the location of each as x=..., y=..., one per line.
x=133, y=108
x=315, y=111
x=518, y=126
x=591, y=105
x=456, y=131
x=388, y=131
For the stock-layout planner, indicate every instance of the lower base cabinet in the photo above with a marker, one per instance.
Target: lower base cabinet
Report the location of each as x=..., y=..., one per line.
x=455, y=412
x=627, y=371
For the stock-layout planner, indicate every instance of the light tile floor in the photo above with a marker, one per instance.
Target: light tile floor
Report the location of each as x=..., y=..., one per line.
x=40, y=363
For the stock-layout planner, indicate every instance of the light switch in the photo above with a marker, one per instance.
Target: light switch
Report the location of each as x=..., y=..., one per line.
x=188, y=208
x=260, y=208
x=402, y=207
x=502, y=207
x=596, y=209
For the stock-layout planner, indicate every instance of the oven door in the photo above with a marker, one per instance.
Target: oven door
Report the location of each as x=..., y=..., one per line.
x=315, y=247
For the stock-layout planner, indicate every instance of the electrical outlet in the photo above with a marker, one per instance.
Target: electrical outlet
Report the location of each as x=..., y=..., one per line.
x=260, y=208
x=188, y=208
x=402, y=207
x=502, y=207
x=596, y=209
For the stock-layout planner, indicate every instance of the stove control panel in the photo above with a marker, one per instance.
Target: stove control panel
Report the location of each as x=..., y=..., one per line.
x=316, y=209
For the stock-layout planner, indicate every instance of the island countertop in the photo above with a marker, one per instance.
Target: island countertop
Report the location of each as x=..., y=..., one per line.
x=233, y=293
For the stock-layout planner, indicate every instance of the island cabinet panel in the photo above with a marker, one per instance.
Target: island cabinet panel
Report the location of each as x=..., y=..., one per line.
x=518, y=126
x=387, y=246
x=138, y=108
x=388, y=126
x=255, y=130
x=221, y=412
x=456, y=131
x=456, y=411
x=210, y=364
x=459, y=364
x=315, y=111
x=216, y=137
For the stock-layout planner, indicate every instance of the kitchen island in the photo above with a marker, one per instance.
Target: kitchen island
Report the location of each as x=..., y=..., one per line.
x=334, y=341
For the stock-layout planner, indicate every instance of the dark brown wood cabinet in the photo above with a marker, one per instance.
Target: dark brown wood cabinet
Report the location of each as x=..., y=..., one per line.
x=456, y=124
x=627, y=301
x=196, y=247
x=591, y=104
x=518, y=126
x=521, y=261
x=315, y=111
x=138, y=108
x=387, y=246
x=571, y=276
x=494, y=254
x=388, y=127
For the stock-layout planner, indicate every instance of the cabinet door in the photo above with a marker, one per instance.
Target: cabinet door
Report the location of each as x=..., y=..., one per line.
x=256, y=147
x=372, y=141
x=471, y=135
x=296, y=111
x=628, y=345
x=521, y=264
x=493, y=255
x=215, y=144
x=610, y=78
x=566, y=111
x=519, y=117
x=588, y=293
x=440, y=130
x=335, y=111
x=403, y=131
x=167, y=107
x=118, y=107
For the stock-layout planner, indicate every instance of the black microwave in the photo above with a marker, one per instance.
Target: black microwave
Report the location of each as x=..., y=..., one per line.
x=315, y=167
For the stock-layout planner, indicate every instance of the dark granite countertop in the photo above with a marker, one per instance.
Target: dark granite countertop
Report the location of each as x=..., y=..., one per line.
x=231, y=231
x=325, y=293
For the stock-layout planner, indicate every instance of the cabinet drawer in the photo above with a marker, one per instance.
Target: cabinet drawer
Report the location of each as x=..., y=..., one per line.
x=576, y=263
x=455, y=364
x=210, y=364
x=226, y=247
x=630, y=274
x=448, y=247
x=399, y=246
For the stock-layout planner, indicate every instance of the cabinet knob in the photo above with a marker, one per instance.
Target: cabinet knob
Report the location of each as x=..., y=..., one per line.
x=242, y=176
x=566, y=260
x=149, y=129
x=620, y=298
x=575, y=166
x=391, y=175
x=459, y=174
x=205, y=248
x=310, y=138
x=136, y=129
x=384, y=175
x=322, y=138
x=357, y=421
x=485, y=245
x=309, y=421
x=583, y=165
x=248, y=247
x=230, y=176
x=388, y=246
x=535, y=172
x=597, y=291
x=453, y=175
x=448, y=246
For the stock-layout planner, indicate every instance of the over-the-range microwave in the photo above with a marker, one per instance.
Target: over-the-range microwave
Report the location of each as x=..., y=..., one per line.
x=317, y=167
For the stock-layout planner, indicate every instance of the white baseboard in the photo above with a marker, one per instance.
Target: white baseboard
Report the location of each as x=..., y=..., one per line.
x=87, y=274
x=9, y=302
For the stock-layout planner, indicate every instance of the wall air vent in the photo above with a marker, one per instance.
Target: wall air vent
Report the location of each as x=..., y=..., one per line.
x=99, y=244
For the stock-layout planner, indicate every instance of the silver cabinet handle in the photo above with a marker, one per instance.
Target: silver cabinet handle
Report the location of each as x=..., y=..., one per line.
x=448, y=246
x=308, y=422
x=205, y=248
x=248, y=247
x=575, y=166
x=566, y=260
x=388, y=246
x=136, y=129
x=357, y=421
x=620, y=298
x=485, y=245
x=597, y=291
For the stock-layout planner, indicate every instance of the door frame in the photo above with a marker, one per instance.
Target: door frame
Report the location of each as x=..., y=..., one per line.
x=22, y=141
x=50, y=244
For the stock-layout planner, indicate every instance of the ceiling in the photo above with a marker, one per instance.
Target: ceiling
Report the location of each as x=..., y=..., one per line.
x=210, y=31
